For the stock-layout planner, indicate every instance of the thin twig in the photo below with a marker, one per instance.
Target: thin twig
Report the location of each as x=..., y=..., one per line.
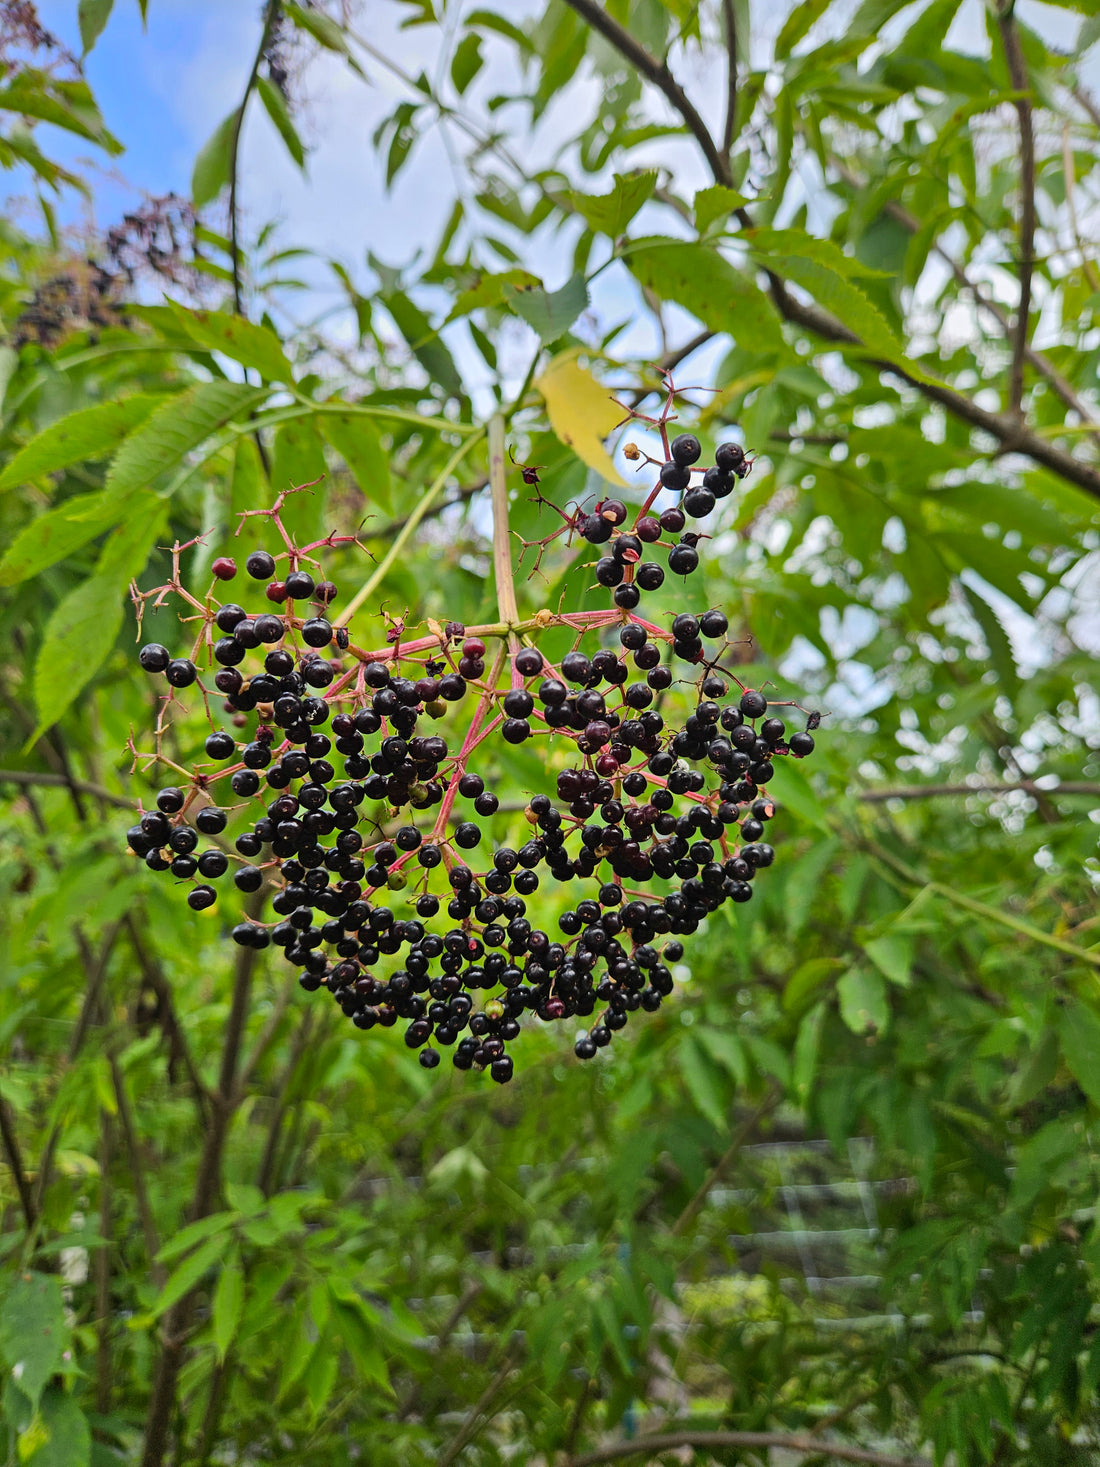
x=101, y=1269
x=137, y=1169
x=15, y=1164
x=270, y=16
x=658, y=73
x=469, y=1427
x=1017, y=71
x=446, y=1330
x=718, y=1170
x=713, y=1440
x=502, y=545
x=394, y=527
x=730, y=22
x=34, y=776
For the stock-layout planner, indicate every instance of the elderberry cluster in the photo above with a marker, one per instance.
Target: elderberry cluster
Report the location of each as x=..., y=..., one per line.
x=360, y=783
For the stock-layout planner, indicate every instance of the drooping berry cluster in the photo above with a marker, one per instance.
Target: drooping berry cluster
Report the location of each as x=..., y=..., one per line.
x=361, y=783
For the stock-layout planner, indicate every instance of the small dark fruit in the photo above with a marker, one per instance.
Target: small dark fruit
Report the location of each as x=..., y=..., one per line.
x=686, y=449
x=260, y=565
x=154, y=658
x=224, y=568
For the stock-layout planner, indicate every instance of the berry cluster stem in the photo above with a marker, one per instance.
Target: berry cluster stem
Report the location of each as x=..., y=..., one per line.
x=502, y=547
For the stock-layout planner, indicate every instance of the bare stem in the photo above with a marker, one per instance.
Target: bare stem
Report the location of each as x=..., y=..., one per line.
x=502, y=549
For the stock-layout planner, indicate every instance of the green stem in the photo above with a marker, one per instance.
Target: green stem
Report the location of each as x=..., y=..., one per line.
x=502, y=550
x=433, y=491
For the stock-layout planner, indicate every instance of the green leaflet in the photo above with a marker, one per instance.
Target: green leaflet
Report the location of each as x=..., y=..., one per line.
x=80, y=634
x=704, y=283
x=228, y=1303
x=276, y=108
x=33, y=1332
x=211, y=172
x=59, y=533
x=863, y=1004
x=90, y=433
x=92, y=16
x=1079, y=1031
x=357, y=442
x=246, y=342
x=162, y=442
x=549, y=313
x=610, y=213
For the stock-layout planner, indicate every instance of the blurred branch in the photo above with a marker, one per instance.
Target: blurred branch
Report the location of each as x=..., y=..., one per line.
x=15, y=1164
x=658, y=73
x=713, y=1440
x=64, y=781
x=730, y=22
x=1035, y=359
x=1017, y=71
x=928, y=791
x=446, y=1330
x=271, y=14
x=178, y=1047
x=137, y=1170
x=771, y=1099
x=469, y=1427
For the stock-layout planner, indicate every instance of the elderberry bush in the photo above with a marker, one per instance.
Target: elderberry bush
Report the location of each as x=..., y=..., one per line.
x=346, y=793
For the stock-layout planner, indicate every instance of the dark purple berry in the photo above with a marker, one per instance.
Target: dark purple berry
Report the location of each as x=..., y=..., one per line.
x=682, y=560
x=201, y=897
x=260, y=565
x=154, y=658
x=801, y=744
x=224, y=568
x=729, y=457
x=299, y=585
x=675, y=476
x=181, y=672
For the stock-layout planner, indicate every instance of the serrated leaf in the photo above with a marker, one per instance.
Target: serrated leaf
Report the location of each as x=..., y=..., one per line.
x=191, y=1270
x=357, y=442
x=716, y=202
x=549, y=313
x=697, y=277
x=782, y=243
x=194, y=1233
x=63, y=1435
x=244, y=341
x=581, y=412
x=228, y=1304
x=862, y=994
x=33, y=1332
x=843, y=299
x=163, y=441
x=610, y=213
x=490, y=291
x=60, y=532
x=1079, y=1032
x=211, y=172
x=276, y=108
x=92, y=16
x=90, y=433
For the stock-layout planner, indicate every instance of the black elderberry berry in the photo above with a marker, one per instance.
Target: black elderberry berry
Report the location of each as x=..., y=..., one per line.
x=154, y=658
x=529, y=661
x=211, y=821
x=753, y=704
x=220, y=745
x=673, y=520
x=627, y=549
x=682, y=560
x=229, y=616
x=213, y=864
x=299, y=585
x=801, y=744
x=609, y=572
x=518, y=703
x=260, y=565
x=515, y=730
x=729, y=457
x=595, y=529
x=675, y=476
x=317, y=632
x=627, y=597
x=585, y=1048
x=649, y=576
x=452, y=687
x=201, y=897
x=486, y=804
x=181, y=672
x=698, y=502
x=718, y=482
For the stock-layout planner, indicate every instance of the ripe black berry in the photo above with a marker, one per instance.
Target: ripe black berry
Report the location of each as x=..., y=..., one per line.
x=181, y=672
x=529, y=661
x=220, y=745
x=627, y=597
x=154, y=658
x=682, y=560
x=299, y=585
x=729, y=457
x=211, y=821
x=260, y=565
x=801, y=744
x=753, y=704
x=649, y=575
x=609, y=572
x=698, y=502
x=713, y=624
x=317, y=632
x=201, y=897
x=675, y=476
x=686, y=449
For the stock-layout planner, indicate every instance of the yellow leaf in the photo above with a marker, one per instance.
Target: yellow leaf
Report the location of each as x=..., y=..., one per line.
x=581, y=412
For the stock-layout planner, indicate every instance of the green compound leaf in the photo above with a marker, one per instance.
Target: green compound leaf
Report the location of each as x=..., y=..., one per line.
x=549, y=313
x=228, y=1303
x=863, y=1005
x=610, y=213
x=699, y=279
x=90, y=433
x=357, y=442
x=175, y=429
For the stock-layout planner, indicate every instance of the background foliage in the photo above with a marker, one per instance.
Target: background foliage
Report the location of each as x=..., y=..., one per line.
x=839, y=1196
